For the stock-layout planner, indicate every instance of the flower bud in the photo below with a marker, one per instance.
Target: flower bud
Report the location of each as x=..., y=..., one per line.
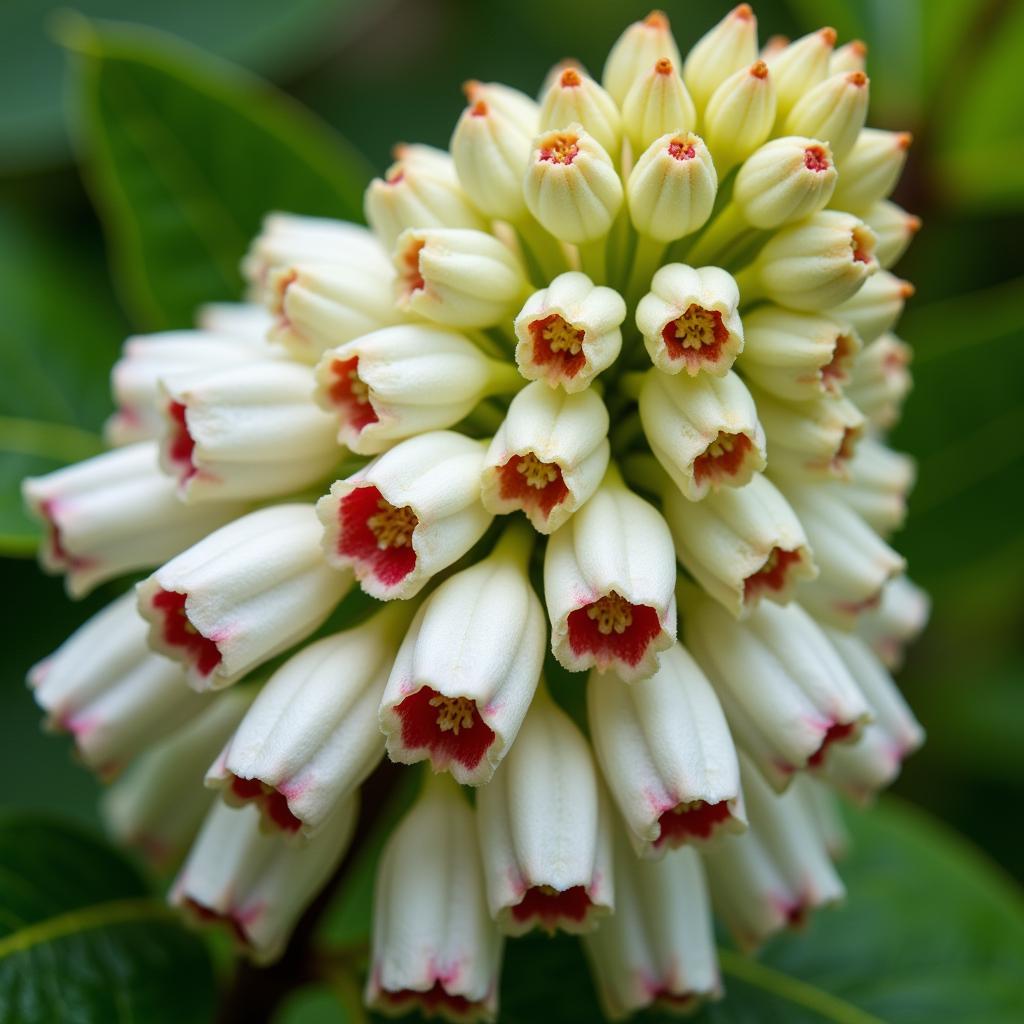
x=897, y=620
x=420, y=189
x=548, y=456
x=666, y=754
x=569, y=332
x=658, y=949
x=406, y=515
x=786, y=695
x=434, y=946
x=571, y=185
x=573, y=97
x=809, y=440
x=876, y=307
x=851, y=56
x=797, y=356
x=880, y=480
x=870, y=170
x=457, y=277
x=739, y=115
x=894, y=229
x=491, y=147
x=146, y=359
x=833, y=111
x=823, y=806
x=725, y=49
x=240, y=321
x=320, y=305
x=637, y=49
x=657, y=103
x=881, y=380
x=158, y=804
x=106, y=688
x=241, y=595
x=773, y=46
x=784, y=181
x=246, y=431
x=741, y=544
x=254, y=885
x=813, y=264
x=401, y=381
x=776, y=873
x=114, y=513
x=703, y=430
x=468, y=667
x=312, y=736
x=611, y=605
x=802, y=65
x=671, y=189
x=546, y=830
x=853, y=561
x=690, y=320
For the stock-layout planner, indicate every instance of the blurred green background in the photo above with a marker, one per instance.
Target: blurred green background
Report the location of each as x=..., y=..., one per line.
x=948, y=70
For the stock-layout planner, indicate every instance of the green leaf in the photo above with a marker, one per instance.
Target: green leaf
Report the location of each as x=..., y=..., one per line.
x=184, y=155
x=82, y=939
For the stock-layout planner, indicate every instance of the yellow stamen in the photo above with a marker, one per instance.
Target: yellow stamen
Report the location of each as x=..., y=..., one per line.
x=563, y=337
x=720, y=446
x=695, y=328
x=538, y=474
x=392, y=526
x=613, y=614
x=358, y=388
x=454, y=713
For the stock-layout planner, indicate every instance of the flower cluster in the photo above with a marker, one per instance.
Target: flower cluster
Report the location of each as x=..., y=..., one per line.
x=652, y=314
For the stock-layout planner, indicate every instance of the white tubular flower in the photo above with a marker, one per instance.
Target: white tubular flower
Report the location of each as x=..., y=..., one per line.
x=569, y=332
x=666, y=755
x=784, y=181
x=851, y=56
x=106, y=688
x=638, y=48
x=813, y=264
x=434, y=946
x=571, y=185
x=546, y=830
x=658, y=949
x=853, y=561
x=875, y=761
x=657, y=102
x=159, y=803
x=798, y=356
x=823, y=806
x=725, y=49
x=690, y=320
x=814, y=439
x=880, y=480
x=312, y=736
x=148, y=358
x=834, y=110
x=573, y=97
x=876, y=307
x=703, y=430
x=468, y=667
x=800, y=66
x=420, y=189
x=771, y=877
x=897, y=620
x=256, y=886
x=741, y=544
x=739, y=115
x=671, y=189
x=611, y=605
x=406, y=515
x=894, y=230
x=457, y=277
x=548, y=456
x=246, y=431
x=869, y=172
x=241, y=321
x=786, y=694
x=881, y=380
x=114, y=513
x=243, y=594
x=401, y=381
x=320, y=305
x=491, y=148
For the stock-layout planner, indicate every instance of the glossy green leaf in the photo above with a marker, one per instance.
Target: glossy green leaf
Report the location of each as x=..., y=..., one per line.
x=82, y=939
x=184, y=154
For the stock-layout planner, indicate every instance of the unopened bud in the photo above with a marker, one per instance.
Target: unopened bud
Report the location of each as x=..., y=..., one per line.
x=637, y=49
x=894, y=228
x=740, y=115
x=573, y=97
x=876, y=307
x=785, y=180
x=880, y=480
x=833, y=111
x=803, y=64
x=851, y=56
x=725, y=49
x=897, y=619
x=657, y=103
x=869, y=172
x=881, y=380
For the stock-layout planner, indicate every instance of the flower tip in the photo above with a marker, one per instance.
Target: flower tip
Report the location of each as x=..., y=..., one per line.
x=759, y=69
x=906, y=289
x=859, y=47
x=658, y=20
x=742, y=12
x=570, y=78
x=471, y=88
x=857, y=78
x=913, y=223
x=828, y=36
x=904, y=140
x=663, y=66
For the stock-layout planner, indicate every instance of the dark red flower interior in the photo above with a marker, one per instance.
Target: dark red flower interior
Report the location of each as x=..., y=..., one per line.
x=209, y=916
x=412, y=275
x=180, y=444
x=431, y=1001
x=179, y=632
x=549, y=907
x=772, y=576
x=612, y=629
x=696, y=336
x=377, y=535
x=56, y=541
x=683, y=821
x=558, y=344
x=837, y=371
x=273, y=804
x=722, y=458
x=447, y=728
x=816, y=159
x=836, y=733
x=532, y=484
x=351, y=395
